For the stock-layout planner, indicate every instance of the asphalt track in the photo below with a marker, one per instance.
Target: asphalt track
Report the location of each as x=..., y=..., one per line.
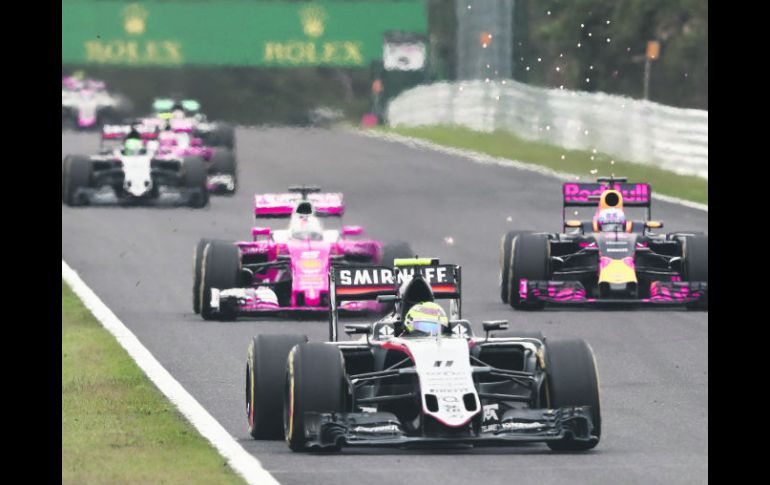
x=653, y=365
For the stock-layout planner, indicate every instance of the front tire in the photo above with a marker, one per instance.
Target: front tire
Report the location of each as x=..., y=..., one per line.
x=223, y=162
x=572, y=380
x=221, y=269
x=695, y=263
x=198, y=269
x=505, y=264
x=76, y=174
x=315, y=382
x=195, y=177
x=265, y=375
x=530, y=256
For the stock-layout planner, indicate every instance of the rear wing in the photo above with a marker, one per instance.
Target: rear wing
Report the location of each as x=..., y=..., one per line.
x=118, y=132
x=358, y=283
x=282, y=205
x=586, y=194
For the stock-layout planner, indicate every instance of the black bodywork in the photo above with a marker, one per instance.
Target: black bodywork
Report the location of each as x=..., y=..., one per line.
x=385, y=395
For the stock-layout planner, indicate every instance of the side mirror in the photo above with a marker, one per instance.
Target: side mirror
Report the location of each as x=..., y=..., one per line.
x=573, y=223
x=358, y=328
x=490, y=325
x=259, y=231
x=352, y=230
x=387, y=298
x=653, y=224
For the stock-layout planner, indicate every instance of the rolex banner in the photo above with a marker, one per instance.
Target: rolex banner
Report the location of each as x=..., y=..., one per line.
x=233, y=32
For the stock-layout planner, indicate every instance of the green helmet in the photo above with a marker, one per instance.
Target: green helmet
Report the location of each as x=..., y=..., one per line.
x=133, y=146
x=425, y=319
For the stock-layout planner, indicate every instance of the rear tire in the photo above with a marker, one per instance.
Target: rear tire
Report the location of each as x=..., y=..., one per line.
x=572, y=380
x=221, y=269
x=76, y=174
x=505, y=264
x=195, y=177
x=530, y=255
x=315, y=381
x=265, y=377
x=393, y=251
x=695, y=263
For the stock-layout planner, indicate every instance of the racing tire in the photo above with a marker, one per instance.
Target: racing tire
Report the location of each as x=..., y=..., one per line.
x=221, y=136
x=505, y=263
x=76, y=173
x=265, y=376
x=529, y=260
x=194, y=180
x=221, y=269
x=223, y=162
x=225, y=136
x=315, y=382
x=393, y=251
x=572, y=380
x=197, y=269
x=695, y=263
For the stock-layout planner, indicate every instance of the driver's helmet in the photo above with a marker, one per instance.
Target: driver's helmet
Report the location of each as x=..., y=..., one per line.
x=611, y=220
x=133, y=146
x=425, y=320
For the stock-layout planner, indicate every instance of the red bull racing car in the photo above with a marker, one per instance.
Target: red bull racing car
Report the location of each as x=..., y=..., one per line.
x=607, y=259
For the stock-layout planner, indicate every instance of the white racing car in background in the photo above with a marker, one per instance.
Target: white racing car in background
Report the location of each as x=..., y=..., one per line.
x=133, y=174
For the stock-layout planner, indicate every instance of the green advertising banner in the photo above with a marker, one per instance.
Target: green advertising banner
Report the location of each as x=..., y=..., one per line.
x=233, y=32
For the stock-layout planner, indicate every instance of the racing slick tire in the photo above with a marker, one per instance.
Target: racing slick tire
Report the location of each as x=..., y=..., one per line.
x=572, y=380
x=225, y=136
x=529, y=260
x=393, y=251
x=505, y=263
x=221, y=269
x=76, y=173
x=695, y=263
x=224, y=163
x=315, y=381
x=194, y=179
x=197, y=269
x=265, y=376
x=220, y=136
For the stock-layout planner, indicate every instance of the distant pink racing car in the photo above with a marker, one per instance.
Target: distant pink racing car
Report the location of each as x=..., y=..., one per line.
x=284, y=269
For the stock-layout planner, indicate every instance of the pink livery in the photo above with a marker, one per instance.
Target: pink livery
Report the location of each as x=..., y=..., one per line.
x=283, y=269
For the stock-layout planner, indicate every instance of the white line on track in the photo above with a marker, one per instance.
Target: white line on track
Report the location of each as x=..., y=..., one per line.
x=490, y=160
x=245, y=464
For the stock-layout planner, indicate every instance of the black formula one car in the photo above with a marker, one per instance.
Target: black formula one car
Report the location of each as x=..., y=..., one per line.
x=394, y=388
x=605, y=260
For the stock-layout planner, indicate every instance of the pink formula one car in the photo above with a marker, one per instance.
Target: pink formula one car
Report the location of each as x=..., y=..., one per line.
x=284, y=269
x=86, y=104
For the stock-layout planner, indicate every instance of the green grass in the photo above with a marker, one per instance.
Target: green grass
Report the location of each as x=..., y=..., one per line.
x=578, y=162
x=116, y=426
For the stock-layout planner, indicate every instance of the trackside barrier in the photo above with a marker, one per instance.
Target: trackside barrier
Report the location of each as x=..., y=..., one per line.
x=640, y=131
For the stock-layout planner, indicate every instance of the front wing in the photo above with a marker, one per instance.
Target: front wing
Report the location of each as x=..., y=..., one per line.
x=245, y=301
x=574, y=293
x=384, y=429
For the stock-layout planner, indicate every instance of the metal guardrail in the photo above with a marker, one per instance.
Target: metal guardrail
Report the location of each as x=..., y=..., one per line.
x=639, y=131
